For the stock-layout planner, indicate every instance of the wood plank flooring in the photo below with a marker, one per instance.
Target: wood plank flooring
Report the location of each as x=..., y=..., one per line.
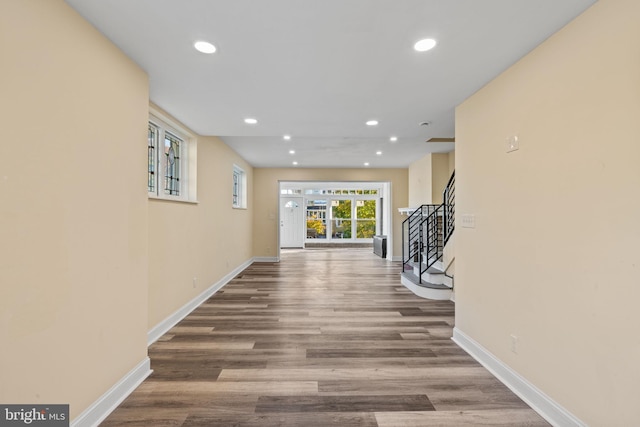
x=326, y=337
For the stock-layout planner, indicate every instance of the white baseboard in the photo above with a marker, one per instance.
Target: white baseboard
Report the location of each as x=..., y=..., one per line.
x=551, y=411
x=101, y=408
x=161, y=328
x=265, y=259
x=396, y=258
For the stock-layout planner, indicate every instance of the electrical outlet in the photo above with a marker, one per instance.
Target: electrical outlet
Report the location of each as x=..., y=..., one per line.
x=195, y=282
x=514, y=344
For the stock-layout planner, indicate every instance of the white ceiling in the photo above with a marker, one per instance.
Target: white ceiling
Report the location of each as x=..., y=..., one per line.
x=317, y=70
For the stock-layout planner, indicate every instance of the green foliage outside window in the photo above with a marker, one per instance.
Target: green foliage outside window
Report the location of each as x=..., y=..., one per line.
x=317, y=225
x=366, y=229
x=366, y=211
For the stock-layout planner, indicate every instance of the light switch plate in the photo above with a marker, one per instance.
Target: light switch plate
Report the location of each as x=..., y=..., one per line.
x=469, y=221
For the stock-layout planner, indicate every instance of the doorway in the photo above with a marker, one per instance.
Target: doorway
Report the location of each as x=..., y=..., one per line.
x=338, y=214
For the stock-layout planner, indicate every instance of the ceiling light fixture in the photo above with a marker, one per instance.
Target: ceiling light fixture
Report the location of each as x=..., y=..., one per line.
x=379, y=153
x=393, y=139
x=424, y=45
x=250, y=121
x=295, y=163
x=292, y=151
x=286, y=137
x=366, y=163
x=372, y=123
x=204, y=47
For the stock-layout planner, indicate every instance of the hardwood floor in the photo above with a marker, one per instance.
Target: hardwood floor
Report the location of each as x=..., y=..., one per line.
x=326, y=337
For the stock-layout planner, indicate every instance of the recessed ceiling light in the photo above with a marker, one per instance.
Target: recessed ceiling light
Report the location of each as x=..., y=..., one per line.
x=379, y=153
x=204, y=47
x=292, y=151
x=250, y=121
x=424, y=45
x=366, y=163
x=295, y=163
x=286, y=137
x=393, y=139
x=372, y=123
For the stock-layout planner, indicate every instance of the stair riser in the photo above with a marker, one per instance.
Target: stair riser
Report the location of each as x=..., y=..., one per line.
x=439, y=279
x=435, y=278
x=434, y=294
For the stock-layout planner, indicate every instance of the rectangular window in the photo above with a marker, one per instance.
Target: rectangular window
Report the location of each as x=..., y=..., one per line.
x=365, y=219
x=171, y=171
x=289, y=191
x=341, y=219
x=316, y=219
x=239, y=190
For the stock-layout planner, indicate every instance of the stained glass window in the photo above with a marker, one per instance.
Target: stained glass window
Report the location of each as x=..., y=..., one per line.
x=172, y=153
x=236, y=188
x=152, y=145
x=239, y=191
x=172, y=164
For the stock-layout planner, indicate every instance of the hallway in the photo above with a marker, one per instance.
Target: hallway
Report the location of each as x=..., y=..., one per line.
x=325, y=337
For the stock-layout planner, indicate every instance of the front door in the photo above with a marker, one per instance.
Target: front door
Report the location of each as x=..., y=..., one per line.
x=291, y=222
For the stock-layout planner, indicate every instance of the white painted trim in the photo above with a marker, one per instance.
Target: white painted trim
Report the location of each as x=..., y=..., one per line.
x=266, y=259
x=101, y=408
x=396, y=258
x=163, y=327
x=551, y=411
x=424, y=292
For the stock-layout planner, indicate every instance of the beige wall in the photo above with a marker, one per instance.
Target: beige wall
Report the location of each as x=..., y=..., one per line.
x=554, y=255
x=205, y=241
x=428, y=177
x=439, y=176
x=73, y=216
x=266, y=199
x=420, y=182
x=451, y=159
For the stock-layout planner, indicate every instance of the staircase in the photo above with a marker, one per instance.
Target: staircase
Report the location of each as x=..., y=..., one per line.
x=424, y=234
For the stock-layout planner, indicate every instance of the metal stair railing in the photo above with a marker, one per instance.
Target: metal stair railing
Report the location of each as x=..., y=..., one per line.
x=427, y=230
x=434, y=242
x=411, y=237
x=415, y=236
x=449, y=211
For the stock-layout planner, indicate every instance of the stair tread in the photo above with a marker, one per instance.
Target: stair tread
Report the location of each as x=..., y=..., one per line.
x=414, y=279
